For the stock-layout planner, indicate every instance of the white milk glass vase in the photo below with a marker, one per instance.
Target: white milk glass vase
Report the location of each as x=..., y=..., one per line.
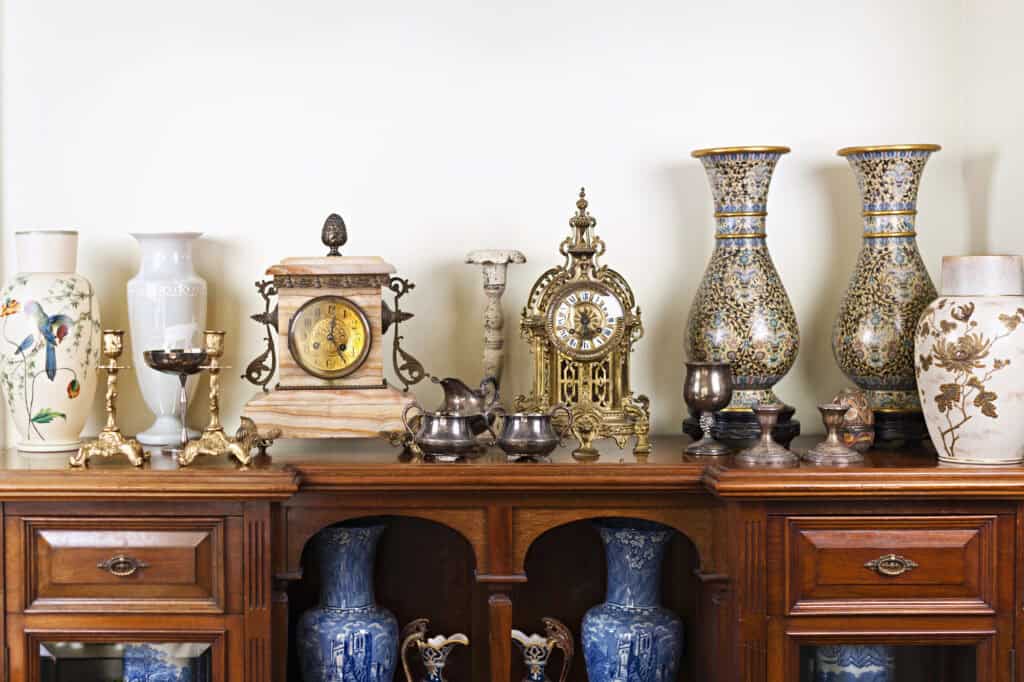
x=166, y=310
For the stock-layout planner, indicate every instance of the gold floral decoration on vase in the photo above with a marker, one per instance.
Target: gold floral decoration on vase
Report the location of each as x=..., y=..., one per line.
x=968, y=359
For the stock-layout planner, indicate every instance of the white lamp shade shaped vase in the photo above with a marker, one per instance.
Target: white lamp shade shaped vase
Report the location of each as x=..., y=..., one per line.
x=166, y=310
x=969, y=360
x=50, y=320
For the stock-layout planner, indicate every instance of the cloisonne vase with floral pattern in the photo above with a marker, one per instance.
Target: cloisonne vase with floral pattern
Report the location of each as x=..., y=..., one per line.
x=347, y=637
x=50, y=349
x=631, y=636
x=741, y=313
x=969, y=356
x=853, y=663
x=873, y=335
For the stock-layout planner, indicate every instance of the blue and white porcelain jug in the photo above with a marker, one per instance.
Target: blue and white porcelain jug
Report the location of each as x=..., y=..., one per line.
x=347, y=637
x=631, y=637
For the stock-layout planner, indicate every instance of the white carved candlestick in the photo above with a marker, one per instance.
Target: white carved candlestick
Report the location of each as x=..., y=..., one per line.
x=494, y=263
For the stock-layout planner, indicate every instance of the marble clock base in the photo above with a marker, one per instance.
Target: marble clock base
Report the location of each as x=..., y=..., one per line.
x=739, y=428
x=343, y=413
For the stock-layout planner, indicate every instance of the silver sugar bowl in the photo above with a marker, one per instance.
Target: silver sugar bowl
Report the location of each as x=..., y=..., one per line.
x=532, y=434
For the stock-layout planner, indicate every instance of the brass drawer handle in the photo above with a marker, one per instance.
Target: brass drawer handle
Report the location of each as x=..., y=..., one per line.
x=122, y=566
x=891, y=565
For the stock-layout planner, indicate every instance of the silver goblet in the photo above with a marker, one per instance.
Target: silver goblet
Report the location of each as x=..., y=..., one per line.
x=707, y=388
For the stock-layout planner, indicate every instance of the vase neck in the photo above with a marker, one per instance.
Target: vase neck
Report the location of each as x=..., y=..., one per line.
x=739, y=181
x=731, y=227
x=46, y=251
x=634, y=556
x=886, y=225
x=347, y=557
x=888, y=180
x=166, y=253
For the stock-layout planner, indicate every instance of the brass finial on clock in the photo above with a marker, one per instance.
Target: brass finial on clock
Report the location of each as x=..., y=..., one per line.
x=582, y=247
x=334, y=235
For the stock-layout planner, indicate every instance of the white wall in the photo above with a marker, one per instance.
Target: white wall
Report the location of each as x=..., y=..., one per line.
x=992, y=117
x=439, y=127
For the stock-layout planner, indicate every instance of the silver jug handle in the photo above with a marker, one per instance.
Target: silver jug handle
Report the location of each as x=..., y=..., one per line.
x=493, y=382
x=405, y=416
x=568, y=422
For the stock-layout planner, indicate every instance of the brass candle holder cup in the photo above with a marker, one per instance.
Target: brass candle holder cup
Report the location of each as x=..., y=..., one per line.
x=110, y=440
x=213, y=441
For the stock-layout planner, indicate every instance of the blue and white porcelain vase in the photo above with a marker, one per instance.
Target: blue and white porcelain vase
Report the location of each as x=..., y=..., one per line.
x=164, y=663
x=347, y=637
x=631, y=637
x=853, y=663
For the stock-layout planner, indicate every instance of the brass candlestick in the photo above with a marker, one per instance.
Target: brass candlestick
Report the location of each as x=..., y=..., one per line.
x=213, y=441
x=110, y=440
x=766, y=452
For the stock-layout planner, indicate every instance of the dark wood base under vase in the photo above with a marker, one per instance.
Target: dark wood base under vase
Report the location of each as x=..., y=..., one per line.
x=907, y=428
x=739, y=428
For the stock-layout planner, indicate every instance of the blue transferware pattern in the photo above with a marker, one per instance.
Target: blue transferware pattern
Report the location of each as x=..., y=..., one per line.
x=853, y=663
x=156, y=663
x=631, y=637
x=741, y=313
x=347, y=637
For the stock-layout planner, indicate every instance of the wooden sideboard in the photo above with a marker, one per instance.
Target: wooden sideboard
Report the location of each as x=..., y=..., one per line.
x=768, y=563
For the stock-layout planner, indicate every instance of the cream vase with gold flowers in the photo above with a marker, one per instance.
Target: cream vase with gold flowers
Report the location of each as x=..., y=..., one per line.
x=969, y=359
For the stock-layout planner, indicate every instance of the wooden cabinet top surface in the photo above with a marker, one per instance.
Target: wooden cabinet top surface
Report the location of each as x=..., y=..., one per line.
x=367, y=465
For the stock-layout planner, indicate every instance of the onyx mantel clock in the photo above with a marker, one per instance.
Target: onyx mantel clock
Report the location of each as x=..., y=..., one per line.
x=581, y=321
x=325, y=341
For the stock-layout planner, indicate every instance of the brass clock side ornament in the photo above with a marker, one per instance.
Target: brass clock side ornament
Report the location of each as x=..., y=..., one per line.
x=581, y=321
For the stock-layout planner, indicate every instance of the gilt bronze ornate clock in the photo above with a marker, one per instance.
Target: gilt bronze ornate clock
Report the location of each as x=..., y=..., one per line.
x=331, y=318
x=581, y=321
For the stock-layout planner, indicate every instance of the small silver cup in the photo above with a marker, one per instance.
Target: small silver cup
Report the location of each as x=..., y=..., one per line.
x=707, y=388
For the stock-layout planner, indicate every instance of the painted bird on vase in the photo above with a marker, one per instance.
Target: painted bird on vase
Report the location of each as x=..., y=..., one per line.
x=53, y=329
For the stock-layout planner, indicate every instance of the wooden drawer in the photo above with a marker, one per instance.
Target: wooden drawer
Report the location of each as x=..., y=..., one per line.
x=891, y=564
x=165, y=565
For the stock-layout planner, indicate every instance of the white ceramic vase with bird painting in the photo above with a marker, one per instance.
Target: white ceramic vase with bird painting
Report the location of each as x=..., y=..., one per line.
x=50, y=348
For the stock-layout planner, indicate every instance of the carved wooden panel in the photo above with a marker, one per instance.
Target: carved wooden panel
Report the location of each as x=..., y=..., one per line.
x=303, y=522
x=164, y=565
x=257, y=593
x=697, y=524
x=891, y=564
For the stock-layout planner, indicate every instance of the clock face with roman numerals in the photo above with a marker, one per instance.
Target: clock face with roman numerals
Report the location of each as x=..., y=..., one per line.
x=585, y=320
x=329, y=337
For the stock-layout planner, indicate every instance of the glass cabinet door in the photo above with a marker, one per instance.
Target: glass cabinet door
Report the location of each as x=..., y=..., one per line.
x=887, y=663
x=70, y=661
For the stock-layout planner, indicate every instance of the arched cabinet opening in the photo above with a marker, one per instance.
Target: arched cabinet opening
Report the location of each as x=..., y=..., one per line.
x=567, y=572
x=423, y=569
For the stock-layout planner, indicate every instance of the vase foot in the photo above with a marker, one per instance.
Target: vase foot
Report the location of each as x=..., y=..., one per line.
x=739, y=429
x=166, y=430
x=49, y=446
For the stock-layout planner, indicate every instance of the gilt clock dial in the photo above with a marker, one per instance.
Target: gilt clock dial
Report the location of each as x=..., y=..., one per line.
x=585, y=320
x=329, y=337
